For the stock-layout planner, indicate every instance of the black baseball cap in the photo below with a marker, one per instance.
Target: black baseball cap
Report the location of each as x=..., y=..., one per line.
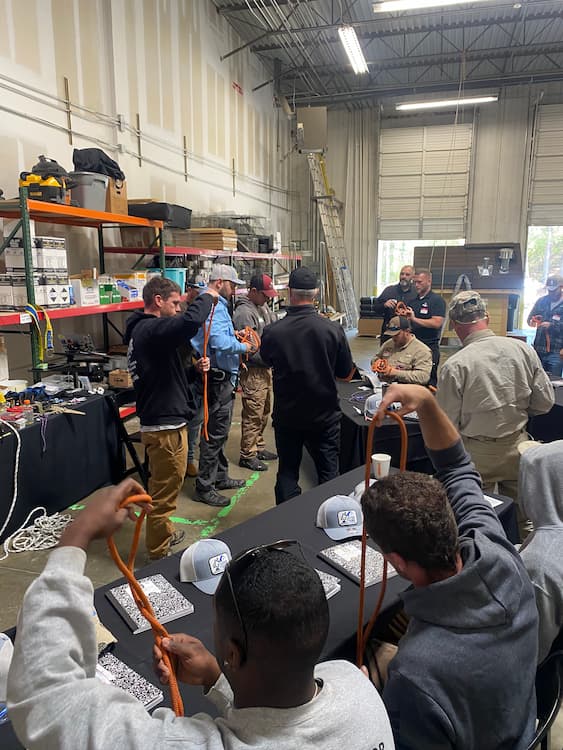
x=302, y=278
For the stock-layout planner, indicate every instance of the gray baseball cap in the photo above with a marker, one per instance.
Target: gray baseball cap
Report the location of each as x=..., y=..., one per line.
x=553, y=282
x=340, y=517
x=467, y=307
x=225, y=272
x=203, y=563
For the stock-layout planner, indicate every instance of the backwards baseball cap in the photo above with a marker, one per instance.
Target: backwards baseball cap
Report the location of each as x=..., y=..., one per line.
x=193, y=283
x=203, y=563
x=340, y=517
x=302, y=278
x=467, y=307
x=396, y=324
x=263, y=283
x=226, y=273
x=553, y=282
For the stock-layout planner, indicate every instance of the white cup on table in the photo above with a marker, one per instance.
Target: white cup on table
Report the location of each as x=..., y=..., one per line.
x=381, y=463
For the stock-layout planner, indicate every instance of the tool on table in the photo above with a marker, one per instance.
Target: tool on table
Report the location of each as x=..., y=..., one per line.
x=58, y=409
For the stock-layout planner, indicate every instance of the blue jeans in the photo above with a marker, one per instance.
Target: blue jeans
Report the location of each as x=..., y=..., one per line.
x=552, y=363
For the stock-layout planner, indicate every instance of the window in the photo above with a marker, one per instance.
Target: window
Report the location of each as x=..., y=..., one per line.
x=544, y=256
x=392, y=255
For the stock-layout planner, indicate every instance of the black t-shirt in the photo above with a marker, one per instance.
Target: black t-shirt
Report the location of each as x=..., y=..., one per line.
x=307, y=352
x=395, y=291
x=427, y=307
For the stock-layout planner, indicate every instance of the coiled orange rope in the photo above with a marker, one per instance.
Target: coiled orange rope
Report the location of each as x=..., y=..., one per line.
x=141, y=599
x=535, y=321
x=363, y=634
x=380, y=366
x=206, y=331
x=249, y=336
x=401, y=308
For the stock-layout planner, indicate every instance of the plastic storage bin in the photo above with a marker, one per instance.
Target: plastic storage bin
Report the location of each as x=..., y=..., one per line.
x=89, y=190
x=178, y=275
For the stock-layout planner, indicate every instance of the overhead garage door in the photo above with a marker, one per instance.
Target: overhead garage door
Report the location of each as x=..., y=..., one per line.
x=546, y=194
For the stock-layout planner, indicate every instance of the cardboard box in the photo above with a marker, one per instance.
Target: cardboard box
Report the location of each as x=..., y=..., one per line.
x=120, y=379
x=369, y=326
x=116, y=197
x=85, y=291
x=6, y=294
x=53, y=259
x=143, y=237
x=136, y=279
x=128, y=293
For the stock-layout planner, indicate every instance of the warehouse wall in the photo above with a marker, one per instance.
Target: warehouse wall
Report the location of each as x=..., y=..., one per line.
x=159, y=59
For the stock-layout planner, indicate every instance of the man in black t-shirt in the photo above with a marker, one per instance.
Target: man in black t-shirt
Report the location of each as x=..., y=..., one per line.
x=427, y=314
x=386, y=303
x=307, y=353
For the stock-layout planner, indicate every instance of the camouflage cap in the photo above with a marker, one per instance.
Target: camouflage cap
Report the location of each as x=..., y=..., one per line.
x=467, y=307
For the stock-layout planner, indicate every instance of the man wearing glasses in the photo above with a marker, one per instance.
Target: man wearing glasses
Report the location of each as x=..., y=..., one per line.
x=271, y=623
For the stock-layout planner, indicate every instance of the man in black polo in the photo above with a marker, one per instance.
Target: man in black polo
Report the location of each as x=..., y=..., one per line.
x=307, y=353
x=427, y=313
x=386, y=303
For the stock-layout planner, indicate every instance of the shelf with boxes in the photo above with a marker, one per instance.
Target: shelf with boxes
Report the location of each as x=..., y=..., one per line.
x=37, y=268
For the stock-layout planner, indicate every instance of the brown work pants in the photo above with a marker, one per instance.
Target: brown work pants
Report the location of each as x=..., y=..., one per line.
x=256, y=383
x=167, y=452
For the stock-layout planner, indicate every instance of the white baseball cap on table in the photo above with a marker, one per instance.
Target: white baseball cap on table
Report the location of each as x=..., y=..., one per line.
x=340, y=517
x=203, y=563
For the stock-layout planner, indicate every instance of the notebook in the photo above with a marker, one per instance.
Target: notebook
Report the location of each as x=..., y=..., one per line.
x=112, y=670
x=331, y=584
x=167, y=602
x=347, y=557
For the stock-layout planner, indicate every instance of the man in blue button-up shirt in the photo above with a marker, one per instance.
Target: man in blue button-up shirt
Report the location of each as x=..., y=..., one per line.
x=224, y=350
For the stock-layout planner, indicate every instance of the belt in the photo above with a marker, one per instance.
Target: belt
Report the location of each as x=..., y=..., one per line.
x=505, y=438
x=216, y=375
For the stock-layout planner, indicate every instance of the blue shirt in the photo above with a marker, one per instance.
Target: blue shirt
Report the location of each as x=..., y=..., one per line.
x=223, y=347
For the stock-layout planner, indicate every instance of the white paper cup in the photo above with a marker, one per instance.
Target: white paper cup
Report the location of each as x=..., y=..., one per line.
x=380, y=463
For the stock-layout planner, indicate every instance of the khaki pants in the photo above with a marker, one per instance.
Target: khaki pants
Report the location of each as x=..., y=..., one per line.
x=256, y=383
x=498, y=461
x=167, y=452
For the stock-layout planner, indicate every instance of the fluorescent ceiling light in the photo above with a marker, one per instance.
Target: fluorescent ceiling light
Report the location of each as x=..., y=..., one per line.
x=353, y=50
x=388, y=6
x=440, y=103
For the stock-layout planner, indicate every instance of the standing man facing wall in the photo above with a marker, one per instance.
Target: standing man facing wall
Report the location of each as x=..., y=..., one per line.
x=307, y=353
x=427, y=313
x=256, y=377
x=163, y=397
x=489, y=389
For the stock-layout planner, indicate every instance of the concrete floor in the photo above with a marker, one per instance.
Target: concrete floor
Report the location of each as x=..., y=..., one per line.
x=198, y=520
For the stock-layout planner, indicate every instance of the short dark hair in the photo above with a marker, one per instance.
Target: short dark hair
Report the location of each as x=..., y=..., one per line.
x=424, y=271
x=281, y=601
x=409, y=513
x=161, y=286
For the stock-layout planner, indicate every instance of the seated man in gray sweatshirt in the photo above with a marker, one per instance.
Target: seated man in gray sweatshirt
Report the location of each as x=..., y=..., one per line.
x=271, y=622
x=464, y=673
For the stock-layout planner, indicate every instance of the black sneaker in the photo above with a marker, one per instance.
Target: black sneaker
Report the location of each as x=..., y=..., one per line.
x=211, y=497
x=253, y=464
x=266, y=456
x=230, y=484
x=177, y=537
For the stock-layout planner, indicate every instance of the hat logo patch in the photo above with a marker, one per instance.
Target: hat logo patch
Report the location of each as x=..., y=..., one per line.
x=347, y=518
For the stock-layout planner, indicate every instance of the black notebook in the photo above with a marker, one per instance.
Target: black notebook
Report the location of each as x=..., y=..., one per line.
x=167, y=602
x=346, y=558
x=112, y=670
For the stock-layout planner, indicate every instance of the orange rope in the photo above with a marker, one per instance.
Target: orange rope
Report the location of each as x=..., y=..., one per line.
x=535, y=322
x=364, y=634
x=206, y=330
x=141, y=599
x=380, y=366
x=401, y=308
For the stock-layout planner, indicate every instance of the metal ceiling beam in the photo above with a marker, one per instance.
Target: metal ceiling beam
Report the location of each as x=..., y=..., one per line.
x=373, y=94
x=225, y=9
x=420, y=28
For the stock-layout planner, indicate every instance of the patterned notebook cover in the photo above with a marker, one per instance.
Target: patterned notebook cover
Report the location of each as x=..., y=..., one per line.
x=112, y=670
x=347, y=557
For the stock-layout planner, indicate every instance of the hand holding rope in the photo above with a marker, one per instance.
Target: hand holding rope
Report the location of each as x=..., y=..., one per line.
x=401, y=308
x=381, y=366
x=141, y=599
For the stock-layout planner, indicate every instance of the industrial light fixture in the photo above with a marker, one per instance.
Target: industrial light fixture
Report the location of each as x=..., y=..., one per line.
x=441, y=103
x=351, y=44
x=389, y=6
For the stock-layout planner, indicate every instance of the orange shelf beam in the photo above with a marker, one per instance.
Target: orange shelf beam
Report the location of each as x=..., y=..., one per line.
x=21, y=318
x=58, y=213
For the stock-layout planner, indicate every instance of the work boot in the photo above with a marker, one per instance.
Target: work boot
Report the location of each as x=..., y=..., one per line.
x=211, y=497
x=191, y=470
x=266, y=456
x=230, y=484
x=177, y=537
x=253, y=464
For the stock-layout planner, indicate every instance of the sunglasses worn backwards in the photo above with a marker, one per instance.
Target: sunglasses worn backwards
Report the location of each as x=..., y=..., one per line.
x=245, y=560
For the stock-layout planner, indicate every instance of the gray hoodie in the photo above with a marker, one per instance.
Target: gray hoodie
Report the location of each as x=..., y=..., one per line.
x=541, y=495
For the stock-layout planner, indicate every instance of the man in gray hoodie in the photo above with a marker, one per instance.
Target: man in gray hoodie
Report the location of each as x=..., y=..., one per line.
x=541, y=494
x=464, y=673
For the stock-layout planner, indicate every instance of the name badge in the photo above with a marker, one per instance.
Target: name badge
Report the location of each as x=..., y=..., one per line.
x=424, y=309
x=556, y=318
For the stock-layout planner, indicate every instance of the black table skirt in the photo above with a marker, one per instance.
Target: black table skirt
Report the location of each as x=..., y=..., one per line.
x=82, y=454
x=548, y=427
x=386, y=439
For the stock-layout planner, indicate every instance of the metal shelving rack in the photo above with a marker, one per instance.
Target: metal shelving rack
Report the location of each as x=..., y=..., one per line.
x=25, y=210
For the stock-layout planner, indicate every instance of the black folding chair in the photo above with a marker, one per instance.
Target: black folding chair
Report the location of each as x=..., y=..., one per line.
x=549, y=691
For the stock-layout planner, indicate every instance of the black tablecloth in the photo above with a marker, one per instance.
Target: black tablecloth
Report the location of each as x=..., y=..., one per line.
x=82, y=454
x=386, y=438
x=548, y=427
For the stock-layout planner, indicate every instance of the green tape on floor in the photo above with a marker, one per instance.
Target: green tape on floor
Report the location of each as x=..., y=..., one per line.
x=210, y=529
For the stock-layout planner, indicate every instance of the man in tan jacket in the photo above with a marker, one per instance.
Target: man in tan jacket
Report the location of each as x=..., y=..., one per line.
x=409, y=360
